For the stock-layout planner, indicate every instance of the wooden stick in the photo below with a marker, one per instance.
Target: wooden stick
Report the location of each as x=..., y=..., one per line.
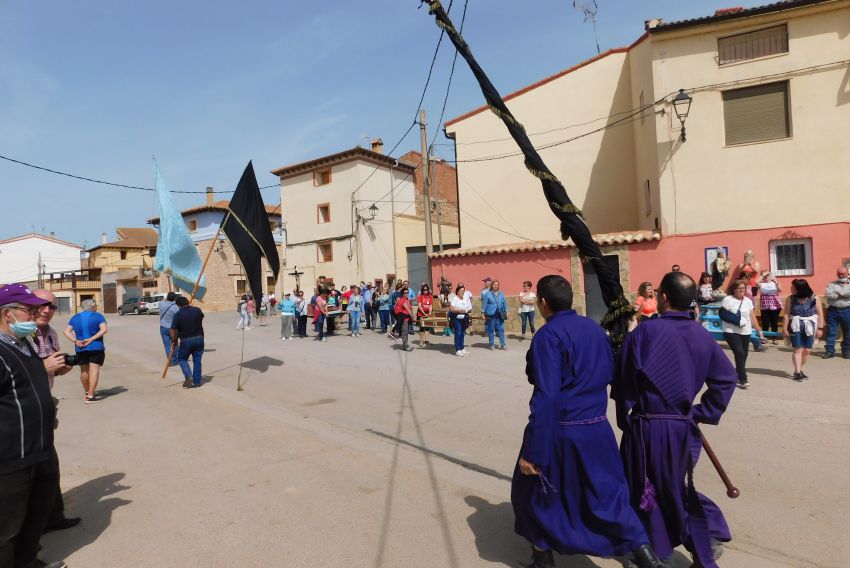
x=731, y=491
x=197, y=284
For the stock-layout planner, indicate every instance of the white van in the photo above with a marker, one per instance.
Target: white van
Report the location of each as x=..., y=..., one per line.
x=153, y=305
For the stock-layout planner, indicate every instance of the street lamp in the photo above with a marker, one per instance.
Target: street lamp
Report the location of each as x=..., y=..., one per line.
x=373, y=211
x=682, y=106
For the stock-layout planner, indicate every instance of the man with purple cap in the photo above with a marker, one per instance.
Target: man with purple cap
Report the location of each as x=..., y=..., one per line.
x=27, y=415
x=663, y=366
x=488, y=283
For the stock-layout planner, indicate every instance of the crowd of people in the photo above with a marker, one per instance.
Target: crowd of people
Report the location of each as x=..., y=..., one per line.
x=744, y=293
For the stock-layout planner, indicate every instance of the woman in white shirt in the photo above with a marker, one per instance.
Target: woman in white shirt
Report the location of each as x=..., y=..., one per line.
x=527, y=300
x=738, y=336
x=461, y=307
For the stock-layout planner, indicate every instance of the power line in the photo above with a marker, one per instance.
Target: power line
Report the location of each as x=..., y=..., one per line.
x=102, y=182
x=451, y=74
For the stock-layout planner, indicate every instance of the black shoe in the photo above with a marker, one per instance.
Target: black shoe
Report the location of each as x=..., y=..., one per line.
x=804, y=375
x=828, y=355
x=541, y=559
x=846, y=355
x=645, y=557
x=798, y=377
x=62, y=524
x=743, y=385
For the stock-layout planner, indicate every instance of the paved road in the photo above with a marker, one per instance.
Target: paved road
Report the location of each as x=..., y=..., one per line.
x=353, y=453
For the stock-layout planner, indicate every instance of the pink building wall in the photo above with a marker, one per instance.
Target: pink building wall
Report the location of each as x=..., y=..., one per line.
x=509, y=268
x=649, y=261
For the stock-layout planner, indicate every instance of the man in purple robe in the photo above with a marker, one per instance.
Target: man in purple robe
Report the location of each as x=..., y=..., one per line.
x=662, y=367
x=569, y=492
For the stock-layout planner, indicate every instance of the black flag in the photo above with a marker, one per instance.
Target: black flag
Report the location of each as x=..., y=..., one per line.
x=572, y=225
x=246, y=224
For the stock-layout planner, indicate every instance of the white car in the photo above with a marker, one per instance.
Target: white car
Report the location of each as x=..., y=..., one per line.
x=153, y=305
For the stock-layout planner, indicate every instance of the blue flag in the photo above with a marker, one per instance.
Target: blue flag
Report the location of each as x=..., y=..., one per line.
x=175, y=252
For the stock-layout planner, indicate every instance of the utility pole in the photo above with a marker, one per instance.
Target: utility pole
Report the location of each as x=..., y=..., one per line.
x=426, y=191
x=40, y=280
x=437, y=209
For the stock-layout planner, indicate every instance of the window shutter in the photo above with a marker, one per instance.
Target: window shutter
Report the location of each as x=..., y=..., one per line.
x=756, y=113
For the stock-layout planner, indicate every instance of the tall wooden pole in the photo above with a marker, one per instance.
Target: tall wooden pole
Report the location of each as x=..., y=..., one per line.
x=426, y=194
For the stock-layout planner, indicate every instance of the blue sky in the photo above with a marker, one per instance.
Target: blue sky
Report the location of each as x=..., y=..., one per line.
x=96, y=88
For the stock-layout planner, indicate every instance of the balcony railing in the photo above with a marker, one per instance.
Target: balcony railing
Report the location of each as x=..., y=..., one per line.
x=70, y=285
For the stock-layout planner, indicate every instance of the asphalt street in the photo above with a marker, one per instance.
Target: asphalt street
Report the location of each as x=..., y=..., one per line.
x=353, y=453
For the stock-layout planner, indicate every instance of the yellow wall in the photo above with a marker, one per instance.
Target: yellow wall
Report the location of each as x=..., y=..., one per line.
x=500, y=197
x=411, y=233
x=699, y=186
x=804, y=179
x=110, y=259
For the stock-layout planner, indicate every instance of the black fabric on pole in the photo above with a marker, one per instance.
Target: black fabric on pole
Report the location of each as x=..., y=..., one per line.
x=247, y=226
x=572, y=225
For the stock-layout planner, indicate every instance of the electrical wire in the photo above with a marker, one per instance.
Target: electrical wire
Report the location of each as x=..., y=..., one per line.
x=109, y=183
x=451, y=75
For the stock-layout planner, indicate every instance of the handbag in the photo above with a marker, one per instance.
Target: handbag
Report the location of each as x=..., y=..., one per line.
x=734, y=318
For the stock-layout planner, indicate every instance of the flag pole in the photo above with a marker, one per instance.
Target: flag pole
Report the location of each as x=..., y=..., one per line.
x=197, y=284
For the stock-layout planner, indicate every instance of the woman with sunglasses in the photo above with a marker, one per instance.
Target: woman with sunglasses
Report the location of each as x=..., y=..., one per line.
x=424, y=302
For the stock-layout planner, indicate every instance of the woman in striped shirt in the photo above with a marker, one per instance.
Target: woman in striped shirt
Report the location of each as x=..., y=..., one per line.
x=771, y=303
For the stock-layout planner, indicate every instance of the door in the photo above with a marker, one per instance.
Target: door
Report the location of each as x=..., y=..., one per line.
x=595, y=305
x=416, y=267
x=110, y=299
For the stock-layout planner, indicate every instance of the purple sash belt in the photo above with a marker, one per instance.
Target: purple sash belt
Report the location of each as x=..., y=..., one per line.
x=586, y=421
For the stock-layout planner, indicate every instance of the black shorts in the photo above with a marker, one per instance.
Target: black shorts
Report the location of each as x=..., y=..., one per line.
x=96, y=357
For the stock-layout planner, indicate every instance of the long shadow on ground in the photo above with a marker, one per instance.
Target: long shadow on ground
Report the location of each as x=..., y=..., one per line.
x=90, y=501
x=492, y=524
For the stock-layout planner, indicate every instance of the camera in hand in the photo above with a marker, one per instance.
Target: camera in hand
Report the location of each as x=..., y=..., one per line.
x=72, y=360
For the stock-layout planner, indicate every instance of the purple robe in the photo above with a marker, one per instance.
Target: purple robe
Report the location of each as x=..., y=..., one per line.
x=662, y=367
x=580, y=503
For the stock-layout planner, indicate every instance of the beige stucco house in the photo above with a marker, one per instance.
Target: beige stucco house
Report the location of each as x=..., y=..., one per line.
x=764, y=165
x=351, y=217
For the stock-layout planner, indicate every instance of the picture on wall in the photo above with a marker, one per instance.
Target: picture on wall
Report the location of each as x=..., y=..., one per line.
x=711, y=254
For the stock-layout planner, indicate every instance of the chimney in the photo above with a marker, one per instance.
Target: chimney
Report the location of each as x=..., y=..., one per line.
x=378, y=146
x=103, y=238
x=52, y=235
x=210, y=195
x=652, y=24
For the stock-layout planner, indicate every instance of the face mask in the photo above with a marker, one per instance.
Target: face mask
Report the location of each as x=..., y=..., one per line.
x=23, y=329
x=845, y=280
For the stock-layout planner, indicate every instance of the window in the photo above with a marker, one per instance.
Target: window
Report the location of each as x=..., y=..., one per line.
x=752, y=45
x=193, y=225
x=324, y=252
x=241, y=287
x=123, y=254
x=641, y=104
x=272, y=226
x=754, y=114
x=270, y=283
x=647, y=199
x=322, y=177
x=323, y=213
x=791, y=257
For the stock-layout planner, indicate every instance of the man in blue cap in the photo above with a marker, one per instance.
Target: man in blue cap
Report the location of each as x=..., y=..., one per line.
x=27, y=415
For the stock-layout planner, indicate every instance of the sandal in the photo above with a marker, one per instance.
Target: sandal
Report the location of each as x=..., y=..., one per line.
x=91, y=398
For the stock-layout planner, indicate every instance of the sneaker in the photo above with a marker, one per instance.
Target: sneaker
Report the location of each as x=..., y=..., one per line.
x=323, y=339
x=408, y=348
x=743, y=385
x=465, y=352
x=828, y=355
x=804, y=375
x=504, y=347
x=187, y=383
x=460, y=354
x=492, y=347
x=798, y=377
x=283, y=339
